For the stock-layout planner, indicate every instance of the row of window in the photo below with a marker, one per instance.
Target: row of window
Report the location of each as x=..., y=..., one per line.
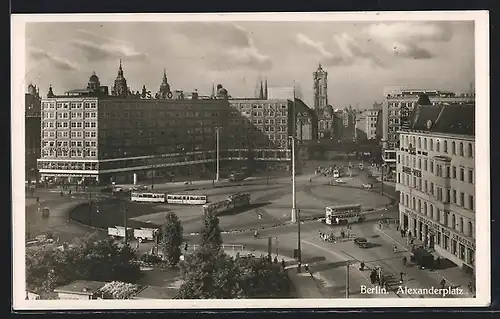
x=260, y=106
x=68, y=143
x=268, y=121
x=68, y=153
x=69, y=124
x=439, y=170
x=443, y=195
x=434, y=144
x=67, y=115
x=68, y=166
x=66, y=134
x=432, y=212
x=69, y=105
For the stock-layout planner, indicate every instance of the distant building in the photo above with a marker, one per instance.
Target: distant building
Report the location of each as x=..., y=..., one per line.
x=33, y=122
x=436, y=180
x=320, y=89
x=366, y=125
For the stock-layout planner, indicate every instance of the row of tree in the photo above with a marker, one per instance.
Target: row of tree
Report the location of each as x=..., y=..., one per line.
x=209, y=273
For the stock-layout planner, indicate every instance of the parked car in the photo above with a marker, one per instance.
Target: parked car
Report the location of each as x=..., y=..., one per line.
x=368, y=186
x=361, y=242
x=339, y=181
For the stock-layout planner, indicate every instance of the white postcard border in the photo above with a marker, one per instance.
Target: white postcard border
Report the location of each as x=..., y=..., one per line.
x=482, y=161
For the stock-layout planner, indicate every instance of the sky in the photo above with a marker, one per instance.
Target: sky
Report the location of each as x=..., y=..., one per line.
x=361, y=58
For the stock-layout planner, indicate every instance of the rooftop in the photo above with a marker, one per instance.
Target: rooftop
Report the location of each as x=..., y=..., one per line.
x=81, y=287
x=448, y=119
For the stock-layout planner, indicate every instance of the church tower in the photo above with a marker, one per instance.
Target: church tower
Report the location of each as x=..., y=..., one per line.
x=164, y=87
x=120, y=88
x=320, y=88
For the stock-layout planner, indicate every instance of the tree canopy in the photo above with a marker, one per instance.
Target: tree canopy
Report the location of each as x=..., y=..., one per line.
x=171, y=239
x=215, y=275
x=210, y=235
x=89, y=259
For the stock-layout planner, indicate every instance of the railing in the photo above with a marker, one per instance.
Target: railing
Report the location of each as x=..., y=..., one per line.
x=224, y=247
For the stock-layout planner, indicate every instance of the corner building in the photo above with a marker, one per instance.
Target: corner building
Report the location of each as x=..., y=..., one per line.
x=436, y=180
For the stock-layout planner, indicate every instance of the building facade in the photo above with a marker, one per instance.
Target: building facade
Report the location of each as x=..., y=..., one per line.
x=366, y=125
x=436, y=180
x=32, y=132
x=398, y=104
x=320, y=89
x=87, y=134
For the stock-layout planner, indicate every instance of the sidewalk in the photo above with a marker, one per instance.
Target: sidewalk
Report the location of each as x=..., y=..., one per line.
x=453, y=276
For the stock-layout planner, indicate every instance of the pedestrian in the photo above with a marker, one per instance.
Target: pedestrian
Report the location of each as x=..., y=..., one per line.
x=342, y=234
x=443, y=283
x=275, y=260
x=283, y=264
x=401, y=274
x=362, y=266
x=397, y=227
x=186, y=247
x=394, y=248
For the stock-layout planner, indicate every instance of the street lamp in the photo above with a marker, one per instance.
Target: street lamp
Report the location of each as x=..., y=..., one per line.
x=295, y=211
x=217, y=154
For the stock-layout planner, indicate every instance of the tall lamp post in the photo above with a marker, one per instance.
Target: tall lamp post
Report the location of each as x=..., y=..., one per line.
x=217, y=174
x=295, y=211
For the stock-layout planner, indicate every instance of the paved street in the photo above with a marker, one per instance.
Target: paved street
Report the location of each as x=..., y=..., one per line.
x=327, y=260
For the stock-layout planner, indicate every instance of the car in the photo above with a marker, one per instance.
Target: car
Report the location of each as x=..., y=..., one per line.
x=368, y=186
x=361, y=242
x=339, y=181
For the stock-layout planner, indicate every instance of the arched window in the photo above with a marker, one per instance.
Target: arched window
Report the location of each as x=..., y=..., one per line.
x=406, y=141
x=437, y=146
x=413, y=203
x=419, y=163
x=453, y=222
x=461, y=149
x=419, y=143
x=470, y=230
x=419, y=206
x=431, y=144
x=402, y=198
x=425, y=143
x=453, y=148
x=413, y=141
x=445, y=146
x=431, y=210
x=407, y=200
x=461, y=229
x=425, y=209
x=470, y=151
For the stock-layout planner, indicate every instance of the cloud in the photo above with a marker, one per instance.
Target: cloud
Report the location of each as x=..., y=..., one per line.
x=59, y=63
x=350, y=50
x=409, y=39
x=353, y=51
x=105, y=48
x=228, y=45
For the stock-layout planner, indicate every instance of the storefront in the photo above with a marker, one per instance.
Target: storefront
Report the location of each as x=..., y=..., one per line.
x=451, y=245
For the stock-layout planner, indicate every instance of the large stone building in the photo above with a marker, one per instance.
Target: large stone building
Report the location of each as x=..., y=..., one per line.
x=32, y=132
x=436, y=180
x=397, y=107
x=91, y=134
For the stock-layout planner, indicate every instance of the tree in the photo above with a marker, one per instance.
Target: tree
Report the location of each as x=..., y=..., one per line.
x=171, y=239
x=215, y=275
x=209, y=275
x=210, y=235
x=262, y=279
x=88, y=259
